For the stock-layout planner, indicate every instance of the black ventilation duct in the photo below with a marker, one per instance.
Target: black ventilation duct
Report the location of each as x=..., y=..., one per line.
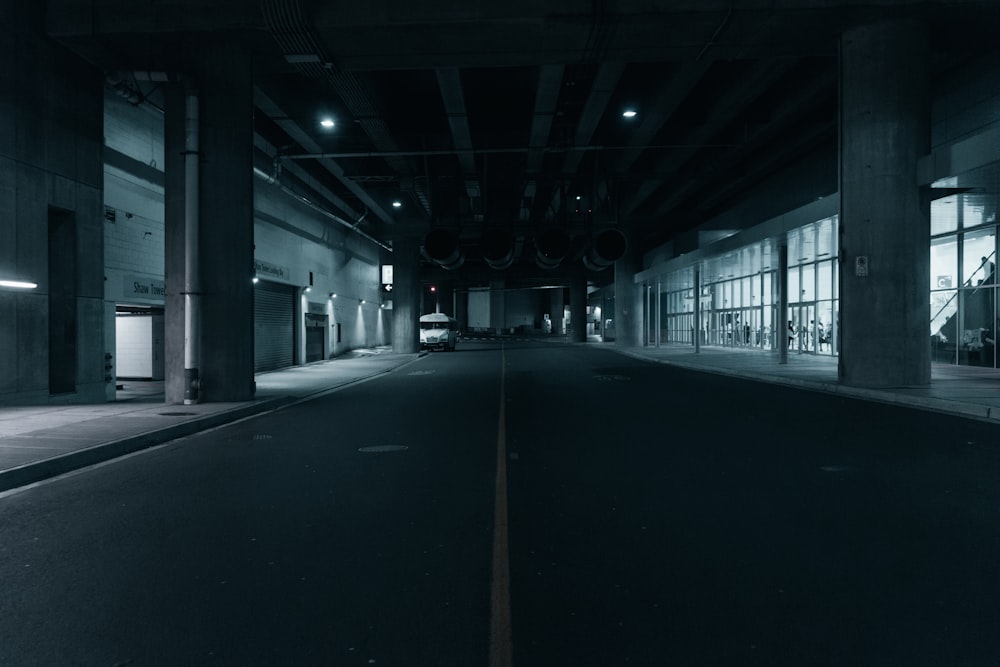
x=441, y=247
x=551, y=247
x=498, y=248
x=607, y=247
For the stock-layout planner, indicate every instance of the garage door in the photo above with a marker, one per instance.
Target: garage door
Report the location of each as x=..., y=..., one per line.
x=273, y=326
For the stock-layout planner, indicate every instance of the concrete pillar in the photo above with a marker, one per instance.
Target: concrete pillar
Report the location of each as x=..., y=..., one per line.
x=498, y=307
x=884, y=223
x=628, y=301
x=446, y=297
x=406, y=294
x=577, y=306
x=556, y=307
x=173, y=243
x=462, y=308
x=225, y=89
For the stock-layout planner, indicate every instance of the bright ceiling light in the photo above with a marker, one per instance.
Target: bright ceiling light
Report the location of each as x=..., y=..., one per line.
x=629, y=113
x=327, y=123
x=397, y=204
x=19, y=284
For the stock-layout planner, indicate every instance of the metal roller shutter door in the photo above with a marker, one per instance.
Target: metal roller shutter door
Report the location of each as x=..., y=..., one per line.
x=273, y=326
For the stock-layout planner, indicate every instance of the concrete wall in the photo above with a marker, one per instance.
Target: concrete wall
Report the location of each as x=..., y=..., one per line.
x=966, y=100
x=51, y=126
x=290, y=235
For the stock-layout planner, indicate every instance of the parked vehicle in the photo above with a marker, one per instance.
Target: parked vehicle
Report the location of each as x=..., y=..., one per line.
x=438, y=331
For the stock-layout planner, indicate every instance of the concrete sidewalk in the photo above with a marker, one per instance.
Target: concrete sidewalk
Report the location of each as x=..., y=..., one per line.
x=965, y=391
x=39, y=442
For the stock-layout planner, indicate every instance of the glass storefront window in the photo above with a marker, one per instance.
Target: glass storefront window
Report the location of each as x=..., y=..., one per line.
x=824, y=280
x=944, y=215
x=944, y=262
x=975, y=209
x=793, y=285
x=978, y=257
x=808, y=290
x=944, y=307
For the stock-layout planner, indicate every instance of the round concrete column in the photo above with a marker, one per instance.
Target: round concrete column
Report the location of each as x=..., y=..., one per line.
x=885, y=228
x=406, y=295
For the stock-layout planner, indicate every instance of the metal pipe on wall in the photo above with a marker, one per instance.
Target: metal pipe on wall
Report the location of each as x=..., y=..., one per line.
x=292, y=193
x=192, y=274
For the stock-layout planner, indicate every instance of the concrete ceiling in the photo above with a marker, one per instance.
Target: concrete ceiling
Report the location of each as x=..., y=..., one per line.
x=480, y=115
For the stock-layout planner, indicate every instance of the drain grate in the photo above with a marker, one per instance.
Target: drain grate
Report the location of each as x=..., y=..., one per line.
x=178, y=414
x=380, y=449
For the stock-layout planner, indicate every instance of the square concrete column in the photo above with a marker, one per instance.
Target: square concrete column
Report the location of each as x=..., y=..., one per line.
x=884, y=223
x=406, y=293
x=224, y=86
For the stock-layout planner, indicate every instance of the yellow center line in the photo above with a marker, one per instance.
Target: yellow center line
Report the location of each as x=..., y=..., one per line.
x=500, y=639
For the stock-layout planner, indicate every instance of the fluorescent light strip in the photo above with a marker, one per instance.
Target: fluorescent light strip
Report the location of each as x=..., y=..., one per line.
x=19, y=284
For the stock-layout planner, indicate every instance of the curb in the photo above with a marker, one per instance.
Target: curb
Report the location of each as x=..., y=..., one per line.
x=938, y=405
x=37, y=471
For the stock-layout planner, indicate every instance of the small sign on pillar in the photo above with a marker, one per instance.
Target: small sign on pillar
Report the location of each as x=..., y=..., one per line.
x=861, y=266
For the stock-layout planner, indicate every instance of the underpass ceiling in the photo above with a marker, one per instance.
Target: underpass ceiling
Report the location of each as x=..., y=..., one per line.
x=509, y=115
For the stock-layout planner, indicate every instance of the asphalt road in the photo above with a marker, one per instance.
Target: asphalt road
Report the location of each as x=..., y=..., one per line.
x=655, y=517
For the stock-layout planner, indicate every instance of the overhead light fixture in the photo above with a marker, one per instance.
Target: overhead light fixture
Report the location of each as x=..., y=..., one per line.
x=254, y=280
x=18, y=284
x=629, y=113
x=397, y=204
x=327, y=123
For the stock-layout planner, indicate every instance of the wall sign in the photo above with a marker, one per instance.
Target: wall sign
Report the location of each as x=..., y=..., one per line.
x=143, y=287
x=861, y=266
x=268, y=270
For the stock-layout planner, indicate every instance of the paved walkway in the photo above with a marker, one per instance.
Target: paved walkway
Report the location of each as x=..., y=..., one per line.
x=40, y=442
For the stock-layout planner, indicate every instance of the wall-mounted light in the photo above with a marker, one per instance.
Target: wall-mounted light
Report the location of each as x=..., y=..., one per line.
x=333, y=295
x=308, y=289
x=362, y=301
x=254, y=280
x=18, y=284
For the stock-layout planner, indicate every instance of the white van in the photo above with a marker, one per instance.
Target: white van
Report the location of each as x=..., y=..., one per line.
x=439, y=331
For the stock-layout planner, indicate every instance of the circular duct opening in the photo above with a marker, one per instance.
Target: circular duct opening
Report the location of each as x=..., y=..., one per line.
x=608, y=246
x=442, y=248
x=551, y=247
x=498, y=248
